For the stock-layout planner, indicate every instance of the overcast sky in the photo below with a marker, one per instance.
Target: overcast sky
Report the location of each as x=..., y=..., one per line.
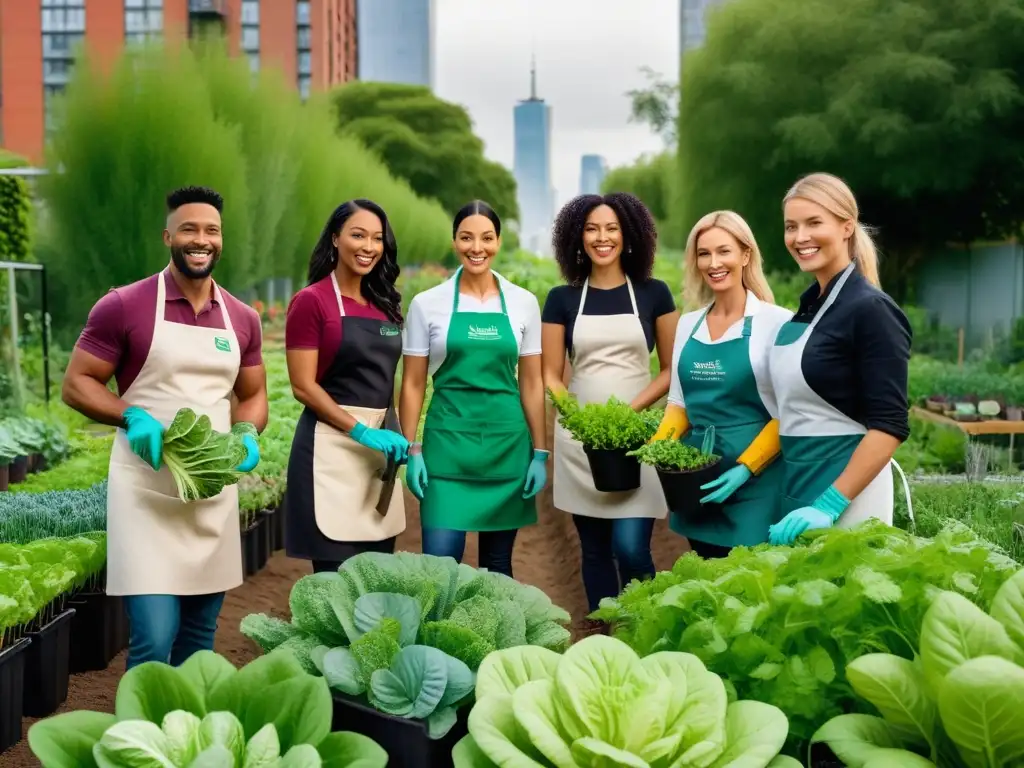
x=589, y=54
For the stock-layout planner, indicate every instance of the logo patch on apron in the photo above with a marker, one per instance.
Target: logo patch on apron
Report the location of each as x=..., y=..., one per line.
x=707, y=371
x=389, y=330
x=484, y=333
x=222, y=343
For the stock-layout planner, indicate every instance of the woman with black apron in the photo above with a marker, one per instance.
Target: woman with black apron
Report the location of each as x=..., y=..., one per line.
x=344, y=339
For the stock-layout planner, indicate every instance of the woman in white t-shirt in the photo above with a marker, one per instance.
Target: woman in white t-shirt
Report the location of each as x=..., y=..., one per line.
x=482, y=460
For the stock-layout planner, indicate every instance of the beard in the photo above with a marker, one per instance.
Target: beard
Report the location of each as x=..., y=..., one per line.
x=181, y=262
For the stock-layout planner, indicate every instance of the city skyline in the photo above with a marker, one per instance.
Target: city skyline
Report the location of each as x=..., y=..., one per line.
x=531, y=167
x=396, y=41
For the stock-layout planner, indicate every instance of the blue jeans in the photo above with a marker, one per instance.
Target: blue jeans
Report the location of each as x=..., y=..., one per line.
x=495, y=547
x=605, y=543
x=170, y=628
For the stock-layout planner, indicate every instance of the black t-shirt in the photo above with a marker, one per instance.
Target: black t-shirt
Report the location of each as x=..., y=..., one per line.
x=653, y=299
x=857, y=358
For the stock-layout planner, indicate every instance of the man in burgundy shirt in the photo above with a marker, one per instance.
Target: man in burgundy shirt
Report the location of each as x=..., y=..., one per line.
x=172, y=340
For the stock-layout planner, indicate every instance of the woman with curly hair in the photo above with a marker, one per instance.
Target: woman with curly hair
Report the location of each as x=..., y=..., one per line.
x=608, y=319
x=343, y=340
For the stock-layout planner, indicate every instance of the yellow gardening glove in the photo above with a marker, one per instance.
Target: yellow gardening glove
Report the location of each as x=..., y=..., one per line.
x=673, y=424
x=764, y=448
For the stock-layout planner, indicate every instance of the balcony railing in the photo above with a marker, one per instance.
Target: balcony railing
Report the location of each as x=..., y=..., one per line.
x=208, y=7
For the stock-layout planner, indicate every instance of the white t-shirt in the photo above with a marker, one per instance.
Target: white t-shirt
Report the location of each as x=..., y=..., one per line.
x=430, y=314
x=767, y=319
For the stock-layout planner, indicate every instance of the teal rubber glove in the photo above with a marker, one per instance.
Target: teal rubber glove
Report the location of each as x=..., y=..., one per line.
x=726, y=484
x=823, y=513
x=416, y=471
x=536, y=475
x=252, y=454
x=145, y=436
x=391, y=444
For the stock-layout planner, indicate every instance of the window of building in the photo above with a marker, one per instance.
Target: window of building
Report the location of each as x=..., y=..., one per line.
x=143, y=20
x=251, y=33
x=63, y=29
x=303, y=47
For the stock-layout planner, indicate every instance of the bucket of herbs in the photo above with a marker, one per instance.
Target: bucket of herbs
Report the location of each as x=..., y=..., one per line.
x=609, y=432
x=682, y=468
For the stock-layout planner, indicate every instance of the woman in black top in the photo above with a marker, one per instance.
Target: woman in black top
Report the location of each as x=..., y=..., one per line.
x=608, y=319
x=838, y=368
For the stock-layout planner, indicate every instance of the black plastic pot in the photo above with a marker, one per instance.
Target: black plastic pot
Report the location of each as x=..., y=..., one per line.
x=100, y=631
x=251, y=551
x=613, y=470
x=279, y=518
x=12, y=685
x=46, y=667
x=19, y=470
x=265, y=533
x=682, y=489
x=405, y=741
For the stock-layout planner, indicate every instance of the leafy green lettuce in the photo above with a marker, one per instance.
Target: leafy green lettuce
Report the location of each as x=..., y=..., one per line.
x=780, y=624
x=602, y=705
x=201, y=460
x=207, y=714
x=959, y=702
x=408, y=630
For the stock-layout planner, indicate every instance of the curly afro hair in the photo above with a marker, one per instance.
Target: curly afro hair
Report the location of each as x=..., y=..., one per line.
x=639, y=236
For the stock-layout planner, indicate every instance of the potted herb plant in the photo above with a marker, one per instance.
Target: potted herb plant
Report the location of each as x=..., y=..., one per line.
x=609, y=432
x=682, y=468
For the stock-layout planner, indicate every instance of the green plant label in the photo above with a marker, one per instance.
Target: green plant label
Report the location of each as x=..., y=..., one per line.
x=484, y=332
x=389, y=330
x=222, y=344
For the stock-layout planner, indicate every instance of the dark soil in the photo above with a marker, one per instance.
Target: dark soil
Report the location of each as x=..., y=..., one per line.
x=546, y=555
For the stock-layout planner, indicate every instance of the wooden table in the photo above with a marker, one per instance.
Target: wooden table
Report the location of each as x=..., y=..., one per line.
x=974, y=428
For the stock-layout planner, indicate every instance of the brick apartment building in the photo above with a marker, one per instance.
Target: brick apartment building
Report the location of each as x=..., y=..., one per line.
x=313, y=42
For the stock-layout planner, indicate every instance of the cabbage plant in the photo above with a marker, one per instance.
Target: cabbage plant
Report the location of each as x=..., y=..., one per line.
x=207, y=714
x=600, y=704
x=958, y=703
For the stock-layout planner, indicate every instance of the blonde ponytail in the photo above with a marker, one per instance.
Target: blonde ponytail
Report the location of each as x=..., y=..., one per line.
x=835, y=196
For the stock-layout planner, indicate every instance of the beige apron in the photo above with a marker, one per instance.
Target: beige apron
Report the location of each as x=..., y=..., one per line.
x=610, y=357
x=347, y=479
x=157, y=544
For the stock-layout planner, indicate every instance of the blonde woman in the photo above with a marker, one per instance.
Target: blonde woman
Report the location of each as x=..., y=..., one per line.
x=720, y=379
x=839, y=369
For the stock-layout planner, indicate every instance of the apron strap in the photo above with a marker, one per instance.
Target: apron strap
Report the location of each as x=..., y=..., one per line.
x=337, y=294
x=832, y=296
x=629, y=287
x=748, y=324
x=497, y=282
x=699, y=323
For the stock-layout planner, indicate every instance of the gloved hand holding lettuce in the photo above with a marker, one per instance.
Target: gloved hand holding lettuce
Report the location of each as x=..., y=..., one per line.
x=203, y=461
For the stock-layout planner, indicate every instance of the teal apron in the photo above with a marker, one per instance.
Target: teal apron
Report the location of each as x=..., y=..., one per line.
x=476, y=442
x=817, y=439
x=720, y=390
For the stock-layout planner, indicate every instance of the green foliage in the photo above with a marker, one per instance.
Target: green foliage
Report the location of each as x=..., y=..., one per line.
x=27, y=517
x=673, y=455
x=781, y=623
x=202, y=460
x=613, y=425
x=427, y=141
x=24, y=436
x=171, y=117
x=245, y=717
x=652, y=179
x=917, y=104
x=15, y=212
x=956, y=703
x=656, y=105
x=600, y=704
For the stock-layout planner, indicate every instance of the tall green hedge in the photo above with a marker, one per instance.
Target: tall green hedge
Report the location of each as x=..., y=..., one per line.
x=15, y=211
x=167, y=117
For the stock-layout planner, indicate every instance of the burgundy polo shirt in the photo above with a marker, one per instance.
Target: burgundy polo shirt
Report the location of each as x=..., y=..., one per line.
x=314, y=322
x=120, y=326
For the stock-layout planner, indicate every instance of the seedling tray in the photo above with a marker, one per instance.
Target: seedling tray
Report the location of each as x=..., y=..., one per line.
x=12, y=686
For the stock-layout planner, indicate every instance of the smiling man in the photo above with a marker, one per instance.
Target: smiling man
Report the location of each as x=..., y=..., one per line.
x=173, y=340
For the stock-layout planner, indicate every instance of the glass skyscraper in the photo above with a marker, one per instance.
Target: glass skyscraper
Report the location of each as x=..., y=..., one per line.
x=396, y=39
x=593, y=169
x=532, y=169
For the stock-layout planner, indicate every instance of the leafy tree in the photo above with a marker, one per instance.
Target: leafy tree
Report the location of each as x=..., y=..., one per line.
x=427, y=141
x=916, y=103
x=656, y=106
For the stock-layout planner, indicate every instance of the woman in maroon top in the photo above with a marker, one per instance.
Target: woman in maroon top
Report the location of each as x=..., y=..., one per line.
x=343, y=340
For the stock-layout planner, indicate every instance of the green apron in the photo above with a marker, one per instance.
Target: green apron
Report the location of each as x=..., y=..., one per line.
x=476, y=442
x=720, y=390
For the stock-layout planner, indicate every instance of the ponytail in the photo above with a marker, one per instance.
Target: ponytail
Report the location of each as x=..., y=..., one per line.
x=865, y=254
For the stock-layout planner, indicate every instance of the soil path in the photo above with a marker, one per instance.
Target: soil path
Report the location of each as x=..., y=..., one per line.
x=546, y=555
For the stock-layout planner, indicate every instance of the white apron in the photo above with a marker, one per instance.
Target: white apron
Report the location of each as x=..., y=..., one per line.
x=610, y=358
x=347, y=476
x=803, y=414
x=157, y=544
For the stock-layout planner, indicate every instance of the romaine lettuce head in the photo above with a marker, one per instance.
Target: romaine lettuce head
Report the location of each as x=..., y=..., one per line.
x=600, y=704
